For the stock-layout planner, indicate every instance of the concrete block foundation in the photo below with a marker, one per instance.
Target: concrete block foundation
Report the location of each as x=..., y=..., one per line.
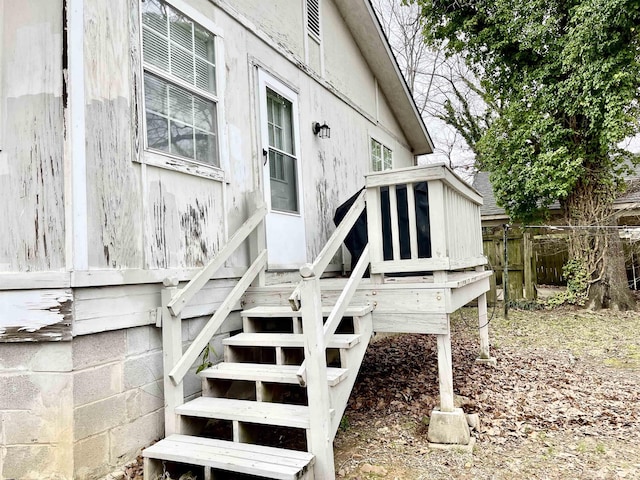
x=81, y=409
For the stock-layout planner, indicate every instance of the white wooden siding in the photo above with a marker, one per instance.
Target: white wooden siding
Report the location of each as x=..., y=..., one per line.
x=139, y=216
x=31, y=171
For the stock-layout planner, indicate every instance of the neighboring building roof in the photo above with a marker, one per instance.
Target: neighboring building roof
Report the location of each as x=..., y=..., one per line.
x=361, y=19
x=490, y=209
x=482, y=184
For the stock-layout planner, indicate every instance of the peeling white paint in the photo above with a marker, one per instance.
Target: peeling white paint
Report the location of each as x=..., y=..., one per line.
x=4, y=164
x=108, y=75
x=31, y=311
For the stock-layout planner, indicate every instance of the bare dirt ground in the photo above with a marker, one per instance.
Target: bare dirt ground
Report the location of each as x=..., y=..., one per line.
x=563, y=401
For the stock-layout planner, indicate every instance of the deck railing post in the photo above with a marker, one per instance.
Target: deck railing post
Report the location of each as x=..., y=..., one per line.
x=374, y=230
x=172, y=351
x=437, y=220
x=320, y=438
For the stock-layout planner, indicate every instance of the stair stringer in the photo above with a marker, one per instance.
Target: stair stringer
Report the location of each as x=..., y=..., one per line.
x=351, y=359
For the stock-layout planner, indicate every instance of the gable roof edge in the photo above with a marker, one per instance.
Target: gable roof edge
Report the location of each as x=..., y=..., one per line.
x=367, y=31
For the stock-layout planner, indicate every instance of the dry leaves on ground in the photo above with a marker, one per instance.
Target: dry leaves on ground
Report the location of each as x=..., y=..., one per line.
x=545, y=412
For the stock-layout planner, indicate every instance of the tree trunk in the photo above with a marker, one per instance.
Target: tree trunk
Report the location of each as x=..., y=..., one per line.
x=595, y=242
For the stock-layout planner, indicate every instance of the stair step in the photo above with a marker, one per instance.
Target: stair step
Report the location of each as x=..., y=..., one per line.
x=243, y=458
x=266, y=373
x=265, y=413
x=286, y=312
x=342, y=340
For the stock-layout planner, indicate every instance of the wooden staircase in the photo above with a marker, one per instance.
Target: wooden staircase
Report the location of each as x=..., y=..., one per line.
x=272, y=408
x=253, y=401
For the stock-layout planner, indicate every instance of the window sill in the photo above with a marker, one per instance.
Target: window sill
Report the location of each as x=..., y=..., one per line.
x=182, y=165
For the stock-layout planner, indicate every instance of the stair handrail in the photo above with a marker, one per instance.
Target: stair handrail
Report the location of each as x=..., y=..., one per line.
x=330, y=248
x=185, y=294
x=192, y=353
x=313, y=372
x=339, y=309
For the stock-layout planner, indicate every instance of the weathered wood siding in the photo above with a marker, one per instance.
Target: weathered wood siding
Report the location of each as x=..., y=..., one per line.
x=346, y=98
x=183, y=218
x=35, y=315
x=139, y=216
x=142, y=217
x=114, y=214
x=31, y=161
x=341, y=51
x=282, y=20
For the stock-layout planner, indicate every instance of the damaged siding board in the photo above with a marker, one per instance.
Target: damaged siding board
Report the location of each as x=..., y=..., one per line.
x=185, y=219
x=137, y=305
x=114, y=199
x=31, y=163
x=35, y=315
x=209, y=299
x=95, y=312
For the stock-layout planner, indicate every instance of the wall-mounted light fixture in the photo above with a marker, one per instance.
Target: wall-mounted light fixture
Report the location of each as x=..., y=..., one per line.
x=323, y=131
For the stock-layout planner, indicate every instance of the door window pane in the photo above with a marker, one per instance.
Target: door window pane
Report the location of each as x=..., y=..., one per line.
x=280, y=122
x=284, y=190
x=282, y=160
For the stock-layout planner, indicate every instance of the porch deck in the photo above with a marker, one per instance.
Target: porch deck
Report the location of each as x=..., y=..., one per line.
x=411, y=304
x=322, y=326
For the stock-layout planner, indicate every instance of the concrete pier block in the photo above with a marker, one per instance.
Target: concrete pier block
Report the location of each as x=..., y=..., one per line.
x=449, y=428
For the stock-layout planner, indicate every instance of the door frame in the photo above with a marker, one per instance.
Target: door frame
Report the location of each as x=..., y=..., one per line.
x=287, y=228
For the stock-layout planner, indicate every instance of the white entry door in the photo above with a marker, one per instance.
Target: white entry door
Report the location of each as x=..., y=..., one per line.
x=281, y=167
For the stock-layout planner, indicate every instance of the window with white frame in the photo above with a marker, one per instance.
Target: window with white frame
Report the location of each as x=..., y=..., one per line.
x=180, y=88
x=381, y=156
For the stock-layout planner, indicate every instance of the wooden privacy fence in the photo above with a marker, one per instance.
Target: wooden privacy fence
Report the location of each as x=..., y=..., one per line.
x=521, y=261
x=537, y=256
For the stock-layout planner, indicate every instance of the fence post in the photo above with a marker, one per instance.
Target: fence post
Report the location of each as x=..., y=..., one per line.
x=171, y=353
x=320, y=436
x=529, y=270
x=505, y=270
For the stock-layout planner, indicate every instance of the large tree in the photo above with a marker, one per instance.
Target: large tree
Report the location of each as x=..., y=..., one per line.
x=566, y=74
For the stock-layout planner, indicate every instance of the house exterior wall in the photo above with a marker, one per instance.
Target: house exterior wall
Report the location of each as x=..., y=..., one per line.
x=139, y=216
x=32, y=136
x=90, y=277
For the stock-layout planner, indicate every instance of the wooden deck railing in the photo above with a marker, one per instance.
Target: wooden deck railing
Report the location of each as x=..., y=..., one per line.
x=313, y=271
x=177, y=364
x=453, y=217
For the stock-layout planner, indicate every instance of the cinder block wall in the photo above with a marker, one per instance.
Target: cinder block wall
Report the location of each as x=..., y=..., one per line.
x=82, y=409
x=36, y=414
x=117, y=397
